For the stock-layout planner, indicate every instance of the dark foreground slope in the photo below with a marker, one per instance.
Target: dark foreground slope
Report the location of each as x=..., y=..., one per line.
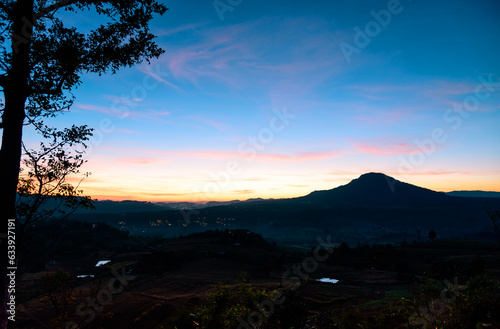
x=218, y=279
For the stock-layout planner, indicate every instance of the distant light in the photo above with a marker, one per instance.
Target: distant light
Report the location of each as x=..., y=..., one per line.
x=85, y=276
x=327, y=280
x=102, y=262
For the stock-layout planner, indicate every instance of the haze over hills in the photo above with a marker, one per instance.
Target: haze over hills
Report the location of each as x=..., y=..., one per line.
x=373, y=207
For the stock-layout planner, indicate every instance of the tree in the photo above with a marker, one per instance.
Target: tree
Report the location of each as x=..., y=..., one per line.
x=432, y=235
x=41, y=62
x=44, y=192
x=494, y=215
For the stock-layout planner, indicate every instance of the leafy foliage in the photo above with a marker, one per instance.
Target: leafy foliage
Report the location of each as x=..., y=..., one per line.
x=226, y=304
x=44, y=191
x=59, y=54
x=42, y=60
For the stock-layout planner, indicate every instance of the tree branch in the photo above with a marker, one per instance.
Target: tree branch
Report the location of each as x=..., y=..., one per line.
x=56, y=91
x=4, y=78
x=47, y=10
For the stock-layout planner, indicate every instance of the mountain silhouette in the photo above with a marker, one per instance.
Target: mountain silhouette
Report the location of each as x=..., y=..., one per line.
x=371, y=208
x=376, y=189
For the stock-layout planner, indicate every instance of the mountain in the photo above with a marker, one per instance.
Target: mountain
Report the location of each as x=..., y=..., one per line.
x=376, y=189
x=371, y=189
x=475, y=194
x=372, y=208
x=127, y=206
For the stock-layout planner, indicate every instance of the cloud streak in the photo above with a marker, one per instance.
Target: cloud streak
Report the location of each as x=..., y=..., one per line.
x=386, y=148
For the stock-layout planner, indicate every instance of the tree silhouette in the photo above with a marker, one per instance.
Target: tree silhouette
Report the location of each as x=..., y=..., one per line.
x=42, y=60
x=44, y=192
x=432, y=235
x=494, y=215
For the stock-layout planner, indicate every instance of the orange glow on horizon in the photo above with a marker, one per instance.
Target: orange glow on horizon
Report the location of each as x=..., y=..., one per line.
x=271, y=188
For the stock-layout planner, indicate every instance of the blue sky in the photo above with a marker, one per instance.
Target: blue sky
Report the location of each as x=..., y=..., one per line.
x=265, y=102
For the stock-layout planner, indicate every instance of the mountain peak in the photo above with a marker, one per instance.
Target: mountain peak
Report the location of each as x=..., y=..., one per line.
x=375, y=176
x=374, y=189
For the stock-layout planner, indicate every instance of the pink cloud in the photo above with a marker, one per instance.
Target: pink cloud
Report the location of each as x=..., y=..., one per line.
x=299, y=157
x=430, y=94
x=124, y=109
x=146, y=69
x=222, y=127
x=451, y=92
x=96, y=108
x=160, y=113
x=138, y=160
x=259, y=156
x=232, y=55
x=390, y=116
x=446, y=87
x=183, y=28
x=385, y=148
x=128, y=131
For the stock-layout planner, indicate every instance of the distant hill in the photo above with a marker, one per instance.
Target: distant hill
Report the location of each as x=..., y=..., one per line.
x=130, y=206
x=372, y=208
x=371, y=189
x=475, y=194
x=127, y=206
x=376, y=189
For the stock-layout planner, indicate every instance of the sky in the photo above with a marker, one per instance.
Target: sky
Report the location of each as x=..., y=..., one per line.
x=278, y=98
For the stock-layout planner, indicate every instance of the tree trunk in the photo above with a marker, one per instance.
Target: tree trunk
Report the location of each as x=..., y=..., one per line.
x=16, y=91
x=10, y=156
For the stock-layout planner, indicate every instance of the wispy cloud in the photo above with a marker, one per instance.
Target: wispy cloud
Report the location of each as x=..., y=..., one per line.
x=220, y=126
x=179, y=29
x=96, y=108
x=294, y=59
x=378, y=89
x=157, y=71
x=124, y=108
x=246, y=191
x=385, y=148
x=386, y=116
x=138, y=160
x=229, y=155
x=128, y=131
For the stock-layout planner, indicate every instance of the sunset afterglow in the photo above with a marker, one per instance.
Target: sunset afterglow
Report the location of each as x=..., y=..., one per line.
x=278, y=99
